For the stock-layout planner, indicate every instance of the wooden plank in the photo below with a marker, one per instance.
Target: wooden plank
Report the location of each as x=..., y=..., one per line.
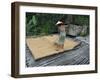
x=44, y=46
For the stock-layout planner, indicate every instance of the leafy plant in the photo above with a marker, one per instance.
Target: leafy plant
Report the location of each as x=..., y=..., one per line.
x=44, y=23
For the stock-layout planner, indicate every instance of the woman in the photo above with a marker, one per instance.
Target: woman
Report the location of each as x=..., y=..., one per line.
x=62, y=35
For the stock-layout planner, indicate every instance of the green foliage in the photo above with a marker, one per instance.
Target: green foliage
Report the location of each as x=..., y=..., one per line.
x=83, y=34
x=37, y=24
x=44, y=23
x=81, y=20
x=34, y=20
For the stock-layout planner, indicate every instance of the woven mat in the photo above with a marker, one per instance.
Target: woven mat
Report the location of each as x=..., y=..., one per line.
x=44, y=46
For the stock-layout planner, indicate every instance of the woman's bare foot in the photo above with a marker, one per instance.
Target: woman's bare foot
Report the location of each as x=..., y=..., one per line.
x=60, y=48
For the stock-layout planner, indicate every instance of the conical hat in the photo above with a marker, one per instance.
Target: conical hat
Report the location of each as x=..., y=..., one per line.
x=59, y=22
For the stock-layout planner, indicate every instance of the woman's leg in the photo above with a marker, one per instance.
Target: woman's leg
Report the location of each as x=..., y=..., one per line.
x=62, y=46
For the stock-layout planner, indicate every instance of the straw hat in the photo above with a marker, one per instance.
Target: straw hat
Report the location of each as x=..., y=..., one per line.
x=59, y=22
